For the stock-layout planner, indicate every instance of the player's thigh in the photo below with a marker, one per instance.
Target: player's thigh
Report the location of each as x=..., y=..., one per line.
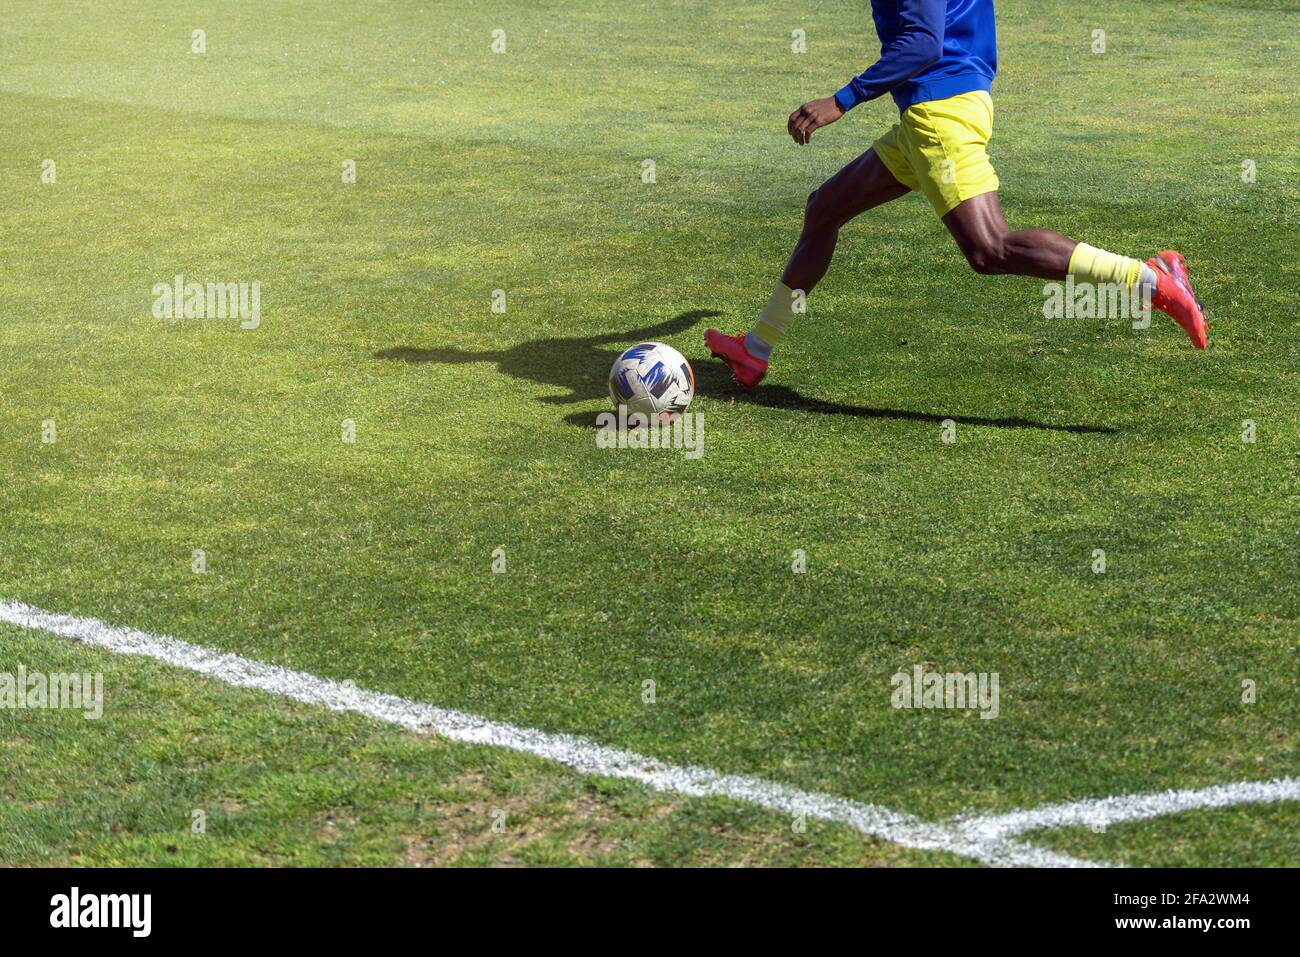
x=862, y=184
x=977, y=224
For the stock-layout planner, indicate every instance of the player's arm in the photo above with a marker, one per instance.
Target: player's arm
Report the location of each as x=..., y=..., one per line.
x=918, y=44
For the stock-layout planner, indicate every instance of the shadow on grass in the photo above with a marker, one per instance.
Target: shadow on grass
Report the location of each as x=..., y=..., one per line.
x=579, y=365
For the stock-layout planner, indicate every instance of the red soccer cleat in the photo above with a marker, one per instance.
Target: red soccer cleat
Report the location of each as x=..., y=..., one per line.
x=748, y=370
x=1174, y=295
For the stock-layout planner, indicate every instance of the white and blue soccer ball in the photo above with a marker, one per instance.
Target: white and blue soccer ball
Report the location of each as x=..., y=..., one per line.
x=654, y=380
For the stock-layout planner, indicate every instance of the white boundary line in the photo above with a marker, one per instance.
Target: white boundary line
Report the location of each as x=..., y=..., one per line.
x=987, y=839
x=1102, y=812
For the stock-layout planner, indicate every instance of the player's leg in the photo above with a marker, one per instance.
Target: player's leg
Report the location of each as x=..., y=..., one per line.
x=992, y=248
x=862, y=185
x=858, y=187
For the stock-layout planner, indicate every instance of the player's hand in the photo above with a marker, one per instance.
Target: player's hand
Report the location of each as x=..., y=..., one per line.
x=813, y=115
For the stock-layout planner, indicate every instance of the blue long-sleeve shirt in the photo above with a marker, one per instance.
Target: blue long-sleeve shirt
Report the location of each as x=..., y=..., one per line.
x=929, y=50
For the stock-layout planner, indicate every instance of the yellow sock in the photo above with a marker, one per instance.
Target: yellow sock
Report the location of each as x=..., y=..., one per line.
x=1098, y=266
x=780, y=309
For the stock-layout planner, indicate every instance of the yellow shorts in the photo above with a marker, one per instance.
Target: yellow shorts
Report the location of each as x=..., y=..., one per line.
x=941, y=148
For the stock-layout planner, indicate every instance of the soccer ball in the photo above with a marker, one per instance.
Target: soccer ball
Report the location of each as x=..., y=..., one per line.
x=654, y=380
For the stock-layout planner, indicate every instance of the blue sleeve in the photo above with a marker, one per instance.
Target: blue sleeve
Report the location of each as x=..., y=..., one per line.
x=918, y=44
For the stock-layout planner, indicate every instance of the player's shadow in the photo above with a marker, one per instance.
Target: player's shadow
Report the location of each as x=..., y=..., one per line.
x=579, y=365
x=714, y=380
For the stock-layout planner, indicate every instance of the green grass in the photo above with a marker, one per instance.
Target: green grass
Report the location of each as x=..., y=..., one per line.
x=371, y=562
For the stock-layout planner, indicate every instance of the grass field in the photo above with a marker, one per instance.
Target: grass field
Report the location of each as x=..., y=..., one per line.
x=371, y=561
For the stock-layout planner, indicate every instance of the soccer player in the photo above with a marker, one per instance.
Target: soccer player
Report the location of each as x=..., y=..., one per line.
x=937, y=60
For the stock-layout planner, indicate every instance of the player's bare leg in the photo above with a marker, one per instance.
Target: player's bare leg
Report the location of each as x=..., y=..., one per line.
x=862, y=185
x=993, y=248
